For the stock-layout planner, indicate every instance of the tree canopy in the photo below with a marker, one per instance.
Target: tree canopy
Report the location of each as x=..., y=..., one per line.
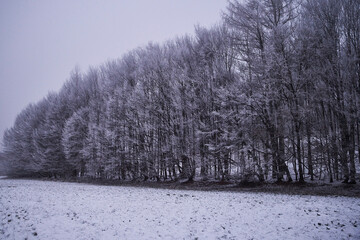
x=271, y=92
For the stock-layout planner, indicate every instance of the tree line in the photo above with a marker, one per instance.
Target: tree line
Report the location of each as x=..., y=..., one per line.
x=271, y=92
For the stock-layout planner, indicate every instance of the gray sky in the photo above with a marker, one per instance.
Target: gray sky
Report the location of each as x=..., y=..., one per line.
x=41, y=41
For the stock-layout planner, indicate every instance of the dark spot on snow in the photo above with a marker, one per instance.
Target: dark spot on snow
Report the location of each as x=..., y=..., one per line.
x=319, y=224
x=35, y=233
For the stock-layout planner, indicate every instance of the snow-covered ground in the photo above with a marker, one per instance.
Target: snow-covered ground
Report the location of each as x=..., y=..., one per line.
x=54, y=210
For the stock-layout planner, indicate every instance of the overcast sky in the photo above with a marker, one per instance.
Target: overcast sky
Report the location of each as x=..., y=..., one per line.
x=41, y=41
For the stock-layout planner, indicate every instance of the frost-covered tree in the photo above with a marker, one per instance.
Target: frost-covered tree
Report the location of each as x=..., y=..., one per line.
x=74, y=138
x=271, y=91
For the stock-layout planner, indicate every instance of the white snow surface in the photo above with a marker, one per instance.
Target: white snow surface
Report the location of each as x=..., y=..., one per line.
x=31, y=209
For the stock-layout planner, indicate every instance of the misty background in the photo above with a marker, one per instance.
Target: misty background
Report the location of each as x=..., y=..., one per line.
x=42, y=41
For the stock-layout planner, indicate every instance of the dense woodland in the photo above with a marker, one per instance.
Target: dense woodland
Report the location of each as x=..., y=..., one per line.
x=270, y=93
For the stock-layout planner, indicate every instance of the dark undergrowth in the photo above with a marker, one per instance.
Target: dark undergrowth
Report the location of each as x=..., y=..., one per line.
x=290, y=188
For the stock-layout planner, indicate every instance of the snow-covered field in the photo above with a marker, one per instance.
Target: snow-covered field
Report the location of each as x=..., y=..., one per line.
x=54, y=210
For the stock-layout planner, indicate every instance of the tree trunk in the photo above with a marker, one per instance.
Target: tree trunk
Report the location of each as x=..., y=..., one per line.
x=358, y=137
x=345, y=142
x=283, y=166
x=352, y=154
x=294, y=160
x=298, y=152
x=335, y=155
x=310, y=163
x=329, y=161
x=203, y=170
